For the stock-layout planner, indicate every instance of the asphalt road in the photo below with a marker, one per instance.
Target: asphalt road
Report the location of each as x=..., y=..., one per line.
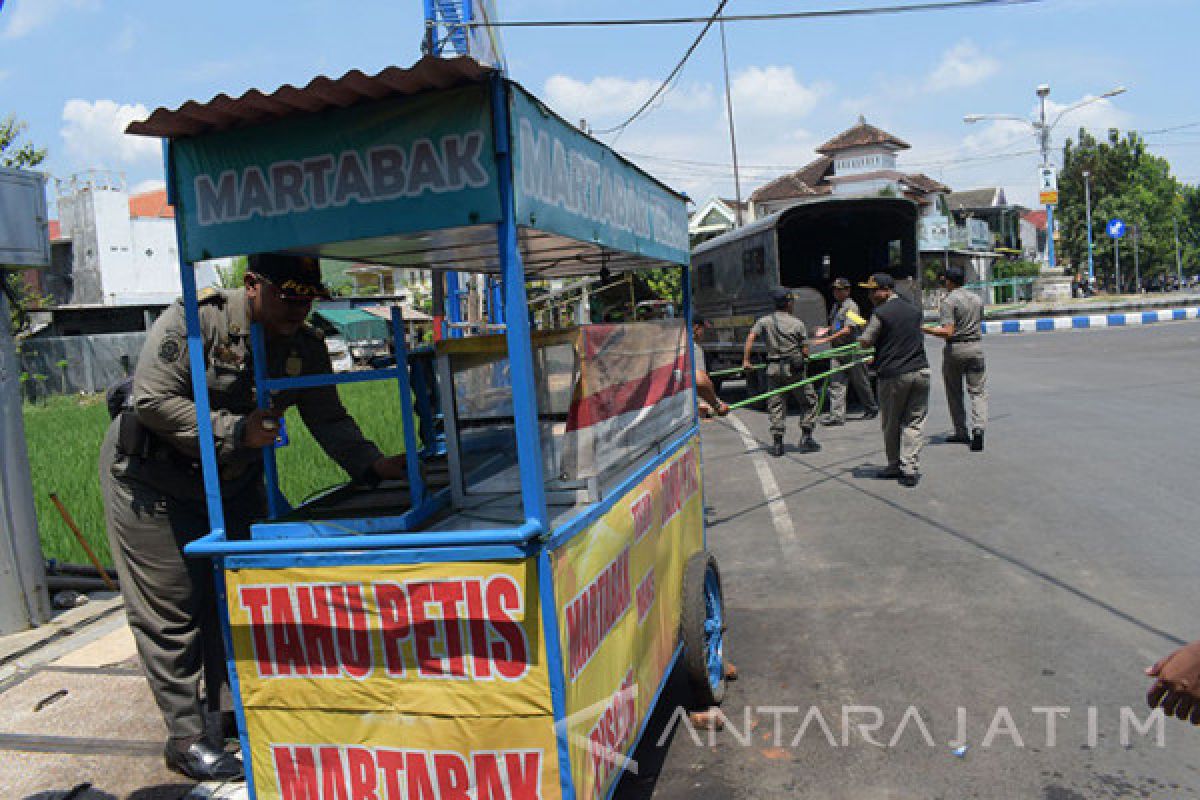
x=1047, y=571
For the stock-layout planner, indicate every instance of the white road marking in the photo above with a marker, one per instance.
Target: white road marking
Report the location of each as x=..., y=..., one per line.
x=781, y=518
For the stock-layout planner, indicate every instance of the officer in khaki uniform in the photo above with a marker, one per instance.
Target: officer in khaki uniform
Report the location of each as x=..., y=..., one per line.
x=785, y=338
x=842, y=331
x=962, y=328
x=894, y=330
x=154, y=492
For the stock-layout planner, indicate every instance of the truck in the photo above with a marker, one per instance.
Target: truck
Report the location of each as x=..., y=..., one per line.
x=802, y=248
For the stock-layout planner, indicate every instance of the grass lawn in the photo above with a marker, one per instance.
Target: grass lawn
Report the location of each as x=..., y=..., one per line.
x=64, y=439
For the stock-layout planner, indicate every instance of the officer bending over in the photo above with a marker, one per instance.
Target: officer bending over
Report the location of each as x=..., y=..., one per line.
x=154, y=491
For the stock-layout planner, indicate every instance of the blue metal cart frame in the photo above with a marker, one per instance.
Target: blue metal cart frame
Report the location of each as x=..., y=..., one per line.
x=397, y=539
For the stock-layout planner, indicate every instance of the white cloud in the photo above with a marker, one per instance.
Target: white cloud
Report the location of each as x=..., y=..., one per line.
x=126, y=40
x=26, y=16
x=961, y=66
x=773, y=92
x=604, y=99
x=149, y=185
x=94, y=134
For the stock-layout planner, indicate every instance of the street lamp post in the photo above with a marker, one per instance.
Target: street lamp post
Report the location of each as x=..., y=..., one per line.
x=1087, y=199
x=1043, y=130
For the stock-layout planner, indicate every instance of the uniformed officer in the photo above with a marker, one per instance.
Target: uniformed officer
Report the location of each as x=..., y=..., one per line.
x=843, y=329
x=894, y=330
x=154, y=493
x=961, y=327
x=785, y=338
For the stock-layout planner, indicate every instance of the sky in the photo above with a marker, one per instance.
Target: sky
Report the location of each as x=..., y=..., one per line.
x=78, y=71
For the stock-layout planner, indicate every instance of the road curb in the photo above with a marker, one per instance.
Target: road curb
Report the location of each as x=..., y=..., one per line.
x=1087, y=321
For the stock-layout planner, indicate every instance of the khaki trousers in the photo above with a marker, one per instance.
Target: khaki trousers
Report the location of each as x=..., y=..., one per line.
x=903, y=406
x=783, y=373
x=171, y=600
x=855, y=377
x=963, y=362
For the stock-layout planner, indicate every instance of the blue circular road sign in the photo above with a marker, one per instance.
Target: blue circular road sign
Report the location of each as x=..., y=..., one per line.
x=1116, y=228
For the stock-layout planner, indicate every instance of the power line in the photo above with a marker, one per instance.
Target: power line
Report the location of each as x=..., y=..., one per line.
x=907, y=8
x=666, y=83
x=1171, y=129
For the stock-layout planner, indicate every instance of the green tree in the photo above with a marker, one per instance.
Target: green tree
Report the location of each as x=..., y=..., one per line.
x=21, y=154
x=233, y=276
x=14, y=152
x=1126, y=182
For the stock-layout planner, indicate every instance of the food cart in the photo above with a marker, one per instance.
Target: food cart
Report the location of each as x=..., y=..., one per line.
x=502, y=623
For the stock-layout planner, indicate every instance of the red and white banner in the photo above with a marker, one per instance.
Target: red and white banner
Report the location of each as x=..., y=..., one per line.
x=634, y=389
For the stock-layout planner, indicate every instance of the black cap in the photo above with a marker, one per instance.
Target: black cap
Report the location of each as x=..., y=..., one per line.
x=781, y=296
x=699, y=320
x=296, y=277
x=880, y=280
x=954, y=274
x=841, y=283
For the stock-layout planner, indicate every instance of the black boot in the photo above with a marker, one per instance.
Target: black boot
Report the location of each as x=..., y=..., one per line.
x=777, y=448
x=201, y=762
x=808, y=444
x=977, y=440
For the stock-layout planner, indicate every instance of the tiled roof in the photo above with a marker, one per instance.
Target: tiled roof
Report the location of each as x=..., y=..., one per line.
x=919, y=180
x=972, y=198
x=254, y=107
x=150, y=204
x=808, y=181
x=861, y=135
x=1037, y=218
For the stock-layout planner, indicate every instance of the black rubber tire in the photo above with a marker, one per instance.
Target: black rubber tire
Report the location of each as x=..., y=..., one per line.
x=694, y=659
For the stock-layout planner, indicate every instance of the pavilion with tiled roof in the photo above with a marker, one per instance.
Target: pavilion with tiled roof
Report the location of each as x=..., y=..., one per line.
x=859, y=161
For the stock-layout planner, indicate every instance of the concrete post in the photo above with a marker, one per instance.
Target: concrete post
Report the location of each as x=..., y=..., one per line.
x=24, y=601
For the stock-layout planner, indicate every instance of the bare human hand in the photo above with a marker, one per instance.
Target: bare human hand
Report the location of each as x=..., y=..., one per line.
x=1177, y=688
x=391, y=468
x=260, y=427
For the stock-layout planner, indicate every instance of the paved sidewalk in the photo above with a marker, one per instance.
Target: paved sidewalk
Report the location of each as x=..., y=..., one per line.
x=77, y=719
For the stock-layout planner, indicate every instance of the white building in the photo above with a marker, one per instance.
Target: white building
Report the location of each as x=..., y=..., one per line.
x=116, y=249
x=861, y=161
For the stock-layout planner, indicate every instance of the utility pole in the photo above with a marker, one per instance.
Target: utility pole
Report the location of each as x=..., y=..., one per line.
x=1137, y=267
x=1117, y=258
x=737, y=181
x=1087, y=198
x=1043, y=132
x=1178, y=255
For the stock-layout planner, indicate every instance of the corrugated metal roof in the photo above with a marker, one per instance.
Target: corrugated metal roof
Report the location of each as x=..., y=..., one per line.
x=321, y=93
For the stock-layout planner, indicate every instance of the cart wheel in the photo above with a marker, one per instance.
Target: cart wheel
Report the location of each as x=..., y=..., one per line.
x=702, y=627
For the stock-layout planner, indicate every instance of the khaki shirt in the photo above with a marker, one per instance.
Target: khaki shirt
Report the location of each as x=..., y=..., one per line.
x=964, y=310
x=838, y=321
x=162, y=386
x=783, y=335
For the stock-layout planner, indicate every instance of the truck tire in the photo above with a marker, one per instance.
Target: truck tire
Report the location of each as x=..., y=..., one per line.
x=702, y=630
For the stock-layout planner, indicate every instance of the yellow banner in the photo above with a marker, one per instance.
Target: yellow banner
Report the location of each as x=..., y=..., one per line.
x=402, y=757
x=618, y=588
x=456, y=639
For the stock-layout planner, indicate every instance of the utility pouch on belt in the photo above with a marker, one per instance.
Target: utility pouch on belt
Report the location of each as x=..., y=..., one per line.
x=132, y=437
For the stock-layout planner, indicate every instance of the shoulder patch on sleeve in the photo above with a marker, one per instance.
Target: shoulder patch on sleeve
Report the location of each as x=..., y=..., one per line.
x=170, y=349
